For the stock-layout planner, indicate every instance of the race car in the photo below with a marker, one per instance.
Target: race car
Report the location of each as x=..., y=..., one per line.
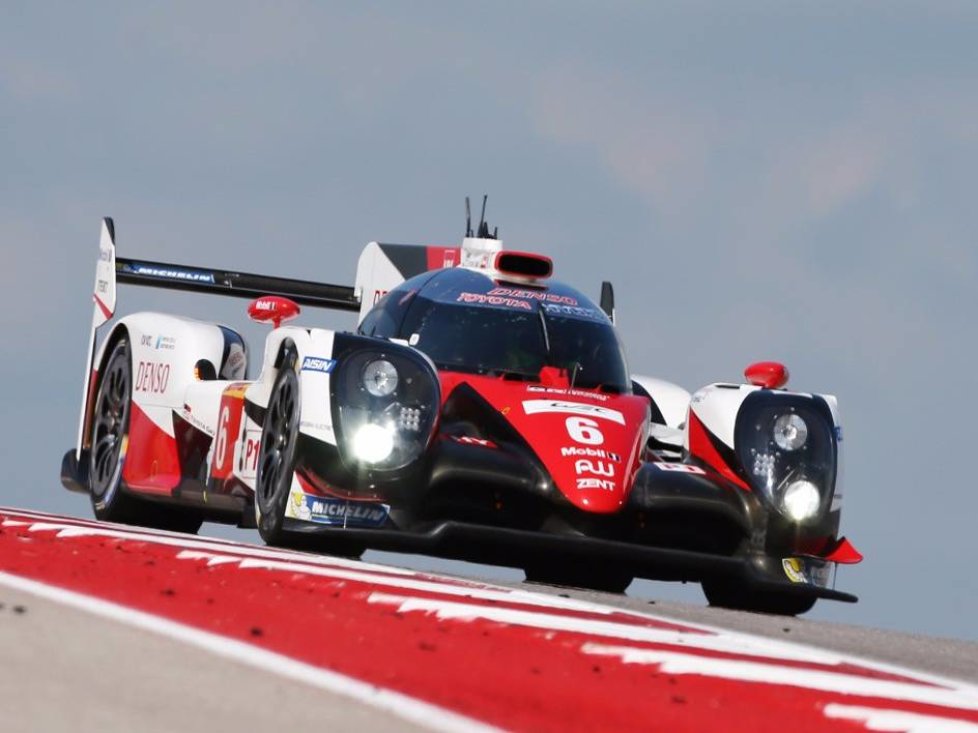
x=480, y=411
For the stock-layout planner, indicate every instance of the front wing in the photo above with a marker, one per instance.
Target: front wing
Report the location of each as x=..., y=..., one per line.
x=512, y=547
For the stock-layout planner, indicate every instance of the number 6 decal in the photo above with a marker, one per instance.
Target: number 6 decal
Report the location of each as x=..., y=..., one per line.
x=221, y=445
x=584, y=430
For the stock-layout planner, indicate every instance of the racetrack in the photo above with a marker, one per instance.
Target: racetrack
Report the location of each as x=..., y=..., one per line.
x=120, y=623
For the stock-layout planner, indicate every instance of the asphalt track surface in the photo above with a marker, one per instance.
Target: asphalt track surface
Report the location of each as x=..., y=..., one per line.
x=65, y=669
x=104, y=628
x=941, y=656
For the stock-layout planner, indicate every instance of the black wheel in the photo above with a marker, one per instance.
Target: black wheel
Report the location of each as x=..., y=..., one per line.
x=578, y=575
x=110, y=435
x=276, y=456
x=725, y=594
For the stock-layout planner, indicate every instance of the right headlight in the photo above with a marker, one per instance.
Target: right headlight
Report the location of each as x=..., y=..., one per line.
x=385, y=403
x=787, y=448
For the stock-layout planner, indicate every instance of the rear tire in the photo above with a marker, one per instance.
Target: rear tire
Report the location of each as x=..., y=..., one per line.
x=725, y=594
x=579, y=575
x=276, y=456
x=111, y=501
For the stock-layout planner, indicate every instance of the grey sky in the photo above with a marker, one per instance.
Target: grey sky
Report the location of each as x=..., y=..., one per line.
x=759, y=180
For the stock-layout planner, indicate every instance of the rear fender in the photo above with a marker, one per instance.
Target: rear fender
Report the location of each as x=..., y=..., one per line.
x=169, y=354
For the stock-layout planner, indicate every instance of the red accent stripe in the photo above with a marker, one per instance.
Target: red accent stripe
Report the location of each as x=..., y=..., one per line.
x=152, y=464
x=701, y=446
x=102, y=306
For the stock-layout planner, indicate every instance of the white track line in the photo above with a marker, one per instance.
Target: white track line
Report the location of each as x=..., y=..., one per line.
x=408, y=708
x=898, y=721
x=963, y=697
x=250, y=557
x=491, y=594
x=757, y=647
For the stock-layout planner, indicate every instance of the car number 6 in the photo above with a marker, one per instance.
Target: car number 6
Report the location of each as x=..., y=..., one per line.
x=584, y=430
x=221, y=447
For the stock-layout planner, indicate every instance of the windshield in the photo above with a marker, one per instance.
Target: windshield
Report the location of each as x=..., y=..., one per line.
x=508, y=341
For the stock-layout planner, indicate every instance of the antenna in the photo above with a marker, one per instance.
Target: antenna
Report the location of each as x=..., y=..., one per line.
x=468, y=218
x=483, y=227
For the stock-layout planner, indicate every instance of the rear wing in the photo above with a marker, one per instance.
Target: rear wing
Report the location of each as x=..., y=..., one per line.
x=112, y=270
x=234, y=284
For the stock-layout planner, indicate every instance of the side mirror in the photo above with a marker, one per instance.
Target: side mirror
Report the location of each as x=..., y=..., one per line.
x=767, y=374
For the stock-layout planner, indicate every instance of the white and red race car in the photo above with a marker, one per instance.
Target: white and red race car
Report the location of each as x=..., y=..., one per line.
x=480, y=411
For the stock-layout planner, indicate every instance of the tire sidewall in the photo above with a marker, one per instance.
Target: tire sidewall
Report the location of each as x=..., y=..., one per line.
x=105, y=503
x=270, y=510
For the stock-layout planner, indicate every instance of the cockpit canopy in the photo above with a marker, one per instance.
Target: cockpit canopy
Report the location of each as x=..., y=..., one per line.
x=465, y=321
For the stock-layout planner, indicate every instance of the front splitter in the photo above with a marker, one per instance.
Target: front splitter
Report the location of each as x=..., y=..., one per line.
x=511, y=547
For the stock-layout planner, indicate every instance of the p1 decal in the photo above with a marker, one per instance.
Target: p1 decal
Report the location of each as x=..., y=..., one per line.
x=248, y=462
x=228, y=431
x=535, y=407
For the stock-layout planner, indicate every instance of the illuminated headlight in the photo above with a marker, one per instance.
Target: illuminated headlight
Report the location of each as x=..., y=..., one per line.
x=788, y=451
x=373, y=443
x=385, y=400
x=380, y=378
x=790, y=432
x=801, y=500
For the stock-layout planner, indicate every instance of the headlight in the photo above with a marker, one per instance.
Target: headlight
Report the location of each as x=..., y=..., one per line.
x=385, y=401
x=373, y=443
x=790, y=432
x=788, y=452
x=801, y=500
x=380, y=378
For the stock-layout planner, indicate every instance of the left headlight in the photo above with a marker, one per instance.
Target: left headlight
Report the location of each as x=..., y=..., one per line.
x=787, y=448
x=385, y=403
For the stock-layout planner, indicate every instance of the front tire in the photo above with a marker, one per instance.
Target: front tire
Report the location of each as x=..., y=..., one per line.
x=110, y=436
x=276, y=456
x=726, y=594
